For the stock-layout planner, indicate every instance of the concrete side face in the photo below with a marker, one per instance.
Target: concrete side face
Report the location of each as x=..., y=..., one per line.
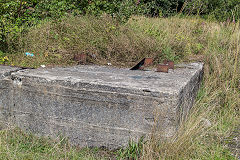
x=188, y=94
x=6, y=92
x=88, y=118
x=99, y=106
x=5, y=100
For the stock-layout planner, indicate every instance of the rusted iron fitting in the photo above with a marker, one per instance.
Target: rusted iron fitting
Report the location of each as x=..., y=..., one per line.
x=169, y=63
x=165, y=66
x=149, y=61
x=80, y=58
x=162, y=68
x=143, y=63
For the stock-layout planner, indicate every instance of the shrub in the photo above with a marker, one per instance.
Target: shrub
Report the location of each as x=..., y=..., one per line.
x=17, y=16
x=220, y=9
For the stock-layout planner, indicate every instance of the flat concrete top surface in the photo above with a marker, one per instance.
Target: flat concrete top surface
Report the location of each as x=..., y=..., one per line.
x=7, y=70
x=149, y=81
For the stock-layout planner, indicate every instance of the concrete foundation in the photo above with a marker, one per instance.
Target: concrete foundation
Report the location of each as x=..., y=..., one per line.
x=96, y=105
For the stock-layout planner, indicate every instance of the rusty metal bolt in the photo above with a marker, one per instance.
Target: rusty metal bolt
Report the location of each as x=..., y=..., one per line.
x=169, y=63
x=148, y=61
x=162, y=68
x=143, y=63
x=80, y=58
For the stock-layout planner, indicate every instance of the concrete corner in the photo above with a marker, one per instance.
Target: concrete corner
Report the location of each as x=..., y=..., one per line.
x=6, y=92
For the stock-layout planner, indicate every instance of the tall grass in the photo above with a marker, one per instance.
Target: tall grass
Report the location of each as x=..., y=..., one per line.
x=207, y=132
x=102, y=39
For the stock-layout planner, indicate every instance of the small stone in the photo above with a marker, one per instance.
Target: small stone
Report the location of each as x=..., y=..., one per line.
x=206, y=122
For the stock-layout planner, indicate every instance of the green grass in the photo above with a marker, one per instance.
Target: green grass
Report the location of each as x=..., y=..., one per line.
x=179, y=39
x=15, y=144
x=102, y=39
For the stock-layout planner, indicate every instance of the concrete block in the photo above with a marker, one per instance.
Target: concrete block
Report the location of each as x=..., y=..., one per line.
x=102, y=106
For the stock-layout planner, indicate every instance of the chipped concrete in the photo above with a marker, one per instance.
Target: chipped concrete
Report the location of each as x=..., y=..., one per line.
x=100, y=106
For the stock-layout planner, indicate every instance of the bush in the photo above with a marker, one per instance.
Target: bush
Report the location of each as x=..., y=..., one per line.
x=17, y=16
x=221, y=10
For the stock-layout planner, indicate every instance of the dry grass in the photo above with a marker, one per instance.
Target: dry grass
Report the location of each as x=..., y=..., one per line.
x=102, y=39
x=216, y=113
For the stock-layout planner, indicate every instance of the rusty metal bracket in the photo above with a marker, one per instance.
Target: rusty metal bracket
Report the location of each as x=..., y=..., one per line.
x=80, y=58
x=167, y=64
x=143, y=63
x=162, y=68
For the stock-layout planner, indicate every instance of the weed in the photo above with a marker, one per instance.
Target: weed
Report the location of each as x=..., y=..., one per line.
x=56, y=42
x=217, y=102
x=16, y=144
x=133, y=151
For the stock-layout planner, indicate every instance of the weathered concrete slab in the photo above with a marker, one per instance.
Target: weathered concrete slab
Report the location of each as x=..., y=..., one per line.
x=102, y=106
